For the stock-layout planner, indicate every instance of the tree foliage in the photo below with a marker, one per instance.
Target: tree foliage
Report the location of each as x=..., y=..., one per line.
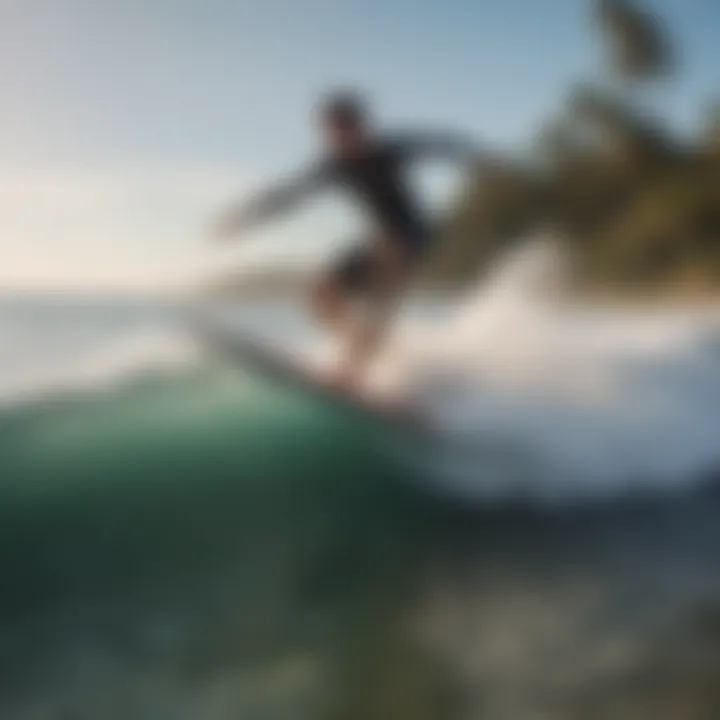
x=638, y=206
x=637, y=42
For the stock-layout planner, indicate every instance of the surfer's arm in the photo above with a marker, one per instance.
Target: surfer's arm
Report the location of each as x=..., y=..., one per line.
x=271, y=203
x=443, y=146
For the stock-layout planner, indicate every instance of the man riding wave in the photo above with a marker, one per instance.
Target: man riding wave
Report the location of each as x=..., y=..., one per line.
x=372, y=168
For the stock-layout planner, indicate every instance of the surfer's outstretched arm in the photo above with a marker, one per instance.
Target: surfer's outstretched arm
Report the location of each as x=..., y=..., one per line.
x=272, y=202
x=442, y=145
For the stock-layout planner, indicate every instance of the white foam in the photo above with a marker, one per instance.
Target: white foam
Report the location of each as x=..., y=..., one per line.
x=564, y=401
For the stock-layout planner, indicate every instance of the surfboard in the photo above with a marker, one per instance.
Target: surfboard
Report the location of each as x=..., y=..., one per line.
x=280, y=368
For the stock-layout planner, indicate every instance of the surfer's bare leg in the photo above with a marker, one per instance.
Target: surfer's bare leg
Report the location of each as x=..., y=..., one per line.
x=368, y=331
x=379, y=275
x=330, y=304
x=333, y=309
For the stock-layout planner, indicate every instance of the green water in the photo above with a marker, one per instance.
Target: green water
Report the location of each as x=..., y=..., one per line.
x=202, y=545
x=253, y=524
x=165, y=460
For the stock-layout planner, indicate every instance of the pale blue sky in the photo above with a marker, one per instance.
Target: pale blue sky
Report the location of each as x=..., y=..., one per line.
x=125, y=123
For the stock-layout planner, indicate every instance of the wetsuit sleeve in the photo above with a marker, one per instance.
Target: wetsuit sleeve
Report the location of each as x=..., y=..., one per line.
x=278, y=199
x=439, y=145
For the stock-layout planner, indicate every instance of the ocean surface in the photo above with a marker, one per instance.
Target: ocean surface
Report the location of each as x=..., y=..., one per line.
x=181, y=540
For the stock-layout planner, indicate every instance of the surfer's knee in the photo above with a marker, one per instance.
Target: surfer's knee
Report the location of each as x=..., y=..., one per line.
x=393, y=270
x=326, y=299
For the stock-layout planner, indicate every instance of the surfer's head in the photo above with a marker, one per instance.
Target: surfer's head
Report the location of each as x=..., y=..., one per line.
x=344, y=122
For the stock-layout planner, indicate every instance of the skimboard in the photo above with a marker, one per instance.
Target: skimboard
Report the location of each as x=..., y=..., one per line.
x=280, y=368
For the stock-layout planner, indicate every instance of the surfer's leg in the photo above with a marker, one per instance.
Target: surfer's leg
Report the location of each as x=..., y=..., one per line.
x=391, y=271
x=372, y=278
x=330, y=303
x=335, y=294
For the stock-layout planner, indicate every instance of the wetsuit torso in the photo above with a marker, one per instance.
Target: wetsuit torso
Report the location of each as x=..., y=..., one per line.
x=376, y=179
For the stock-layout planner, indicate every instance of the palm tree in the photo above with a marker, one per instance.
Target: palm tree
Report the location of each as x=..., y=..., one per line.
x=639, y=47
x=712, y=128
x=617, y=126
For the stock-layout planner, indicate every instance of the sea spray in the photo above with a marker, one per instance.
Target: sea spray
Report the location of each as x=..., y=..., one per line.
x=559, y=400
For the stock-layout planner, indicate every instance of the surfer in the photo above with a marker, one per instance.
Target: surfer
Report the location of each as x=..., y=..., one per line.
x=356, y=297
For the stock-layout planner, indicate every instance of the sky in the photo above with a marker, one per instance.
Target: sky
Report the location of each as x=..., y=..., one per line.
x=125, y=125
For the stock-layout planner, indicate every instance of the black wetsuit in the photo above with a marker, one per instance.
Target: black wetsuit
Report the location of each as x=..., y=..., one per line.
x=376, y=179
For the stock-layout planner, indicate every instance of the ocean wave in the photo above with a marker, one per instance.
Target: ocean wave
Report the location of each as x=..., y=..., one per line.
x=531, y=397
x=103, y=365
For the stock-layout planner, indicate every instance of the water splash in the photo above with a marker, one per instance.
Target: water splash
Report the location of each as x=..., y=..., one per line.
x=563, y=401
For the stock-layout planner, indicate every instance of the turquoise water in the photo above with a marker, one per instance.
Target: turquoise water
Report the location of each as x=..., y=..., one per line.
x=194, y=525
x=181, y=540
x=201, y=453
